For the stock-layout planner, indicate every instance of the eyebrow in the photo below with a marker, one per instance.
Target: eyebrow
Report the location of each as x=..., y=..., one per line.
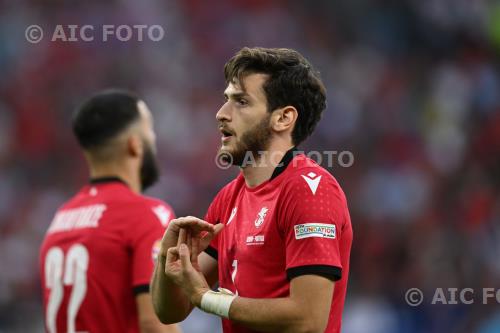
x=236, y=95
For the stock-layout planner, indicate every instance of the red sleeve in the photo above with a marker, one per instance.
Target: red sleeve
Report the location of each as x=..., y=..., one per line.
x=145, y=240
x=213, y=216
x=311, y=221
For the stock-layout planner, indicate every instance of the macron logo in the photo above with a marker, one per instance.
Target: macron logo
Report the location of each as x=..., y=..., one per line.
x=163, y=214
x=312, y=180
x=233, y=214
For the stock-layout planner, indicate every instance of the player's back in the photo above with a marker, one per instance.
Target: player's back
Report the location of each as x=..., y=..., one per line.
x=96, y=255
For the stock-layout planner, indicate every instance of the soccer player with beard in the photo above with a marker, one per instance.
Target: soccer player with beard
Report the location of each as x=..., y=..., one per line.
x=98, y=254
x=277, y=238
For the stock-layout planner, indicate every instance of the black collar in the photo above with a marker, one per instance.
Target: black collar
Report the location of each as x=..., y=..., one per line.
x=108, y=179
x=287, y=158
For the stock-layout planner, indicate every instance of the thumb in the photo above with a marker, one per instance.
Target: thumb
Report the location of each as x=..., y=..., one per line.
x=211, y=235
x=218, y=228
x=185, y=256
x=207, y=238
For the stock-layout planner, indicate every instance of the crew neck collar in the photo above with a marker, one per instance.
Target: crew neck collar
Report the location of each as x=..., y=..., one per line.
x=287, y=158
x=107, y=179
x=280, y=168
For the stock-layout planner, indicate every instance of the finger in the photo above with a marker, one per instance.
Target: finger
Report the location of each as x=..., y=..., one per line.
x=172, y=255
x=184, y=256
x=189, y=240
x=194, y=223
x=173, y=225
x=189, y=219
x=182, y=237
x=207, y=238
x=218, y=228
x=171, y=236
x=195, y=249
x=209, y=235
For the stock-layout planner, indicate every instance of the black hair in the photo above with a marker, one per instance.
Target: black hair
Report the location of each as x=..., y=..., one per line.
x=103, y=116
x=292, y=81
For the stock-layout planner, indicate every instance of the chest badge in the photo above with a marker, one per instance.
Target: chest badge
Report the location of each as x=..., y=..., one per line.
x=261, y=216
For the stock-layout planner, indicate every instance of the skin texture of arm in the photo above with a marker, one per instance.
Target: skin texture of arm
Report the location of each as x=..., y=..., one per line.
x=148, y=322
x=170, y=303
x=305, y=310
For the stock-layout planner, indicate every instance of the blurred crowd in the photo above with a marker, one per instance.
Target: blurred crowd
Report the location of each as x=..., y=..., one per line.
x=413, y=93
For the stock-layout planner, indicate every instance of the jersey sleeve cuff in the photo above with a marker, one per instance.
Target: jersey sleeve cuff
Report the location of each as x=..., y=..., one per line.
x=211, y=251
x=139, y=289
x=333, y=273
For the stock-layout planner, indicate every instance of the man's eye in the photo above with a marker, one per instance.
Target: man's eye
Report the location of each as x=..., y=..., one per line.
x=241, y=101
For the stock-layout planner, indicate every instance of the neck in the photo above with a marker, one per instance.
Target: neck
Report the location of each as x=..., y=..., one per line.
x=263, y=169
x=116, y=170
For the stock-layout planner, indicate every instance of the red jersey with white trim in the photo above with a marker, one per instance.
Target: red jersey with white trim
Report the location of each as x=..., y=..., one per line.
x=98, y=253
x=294, y=224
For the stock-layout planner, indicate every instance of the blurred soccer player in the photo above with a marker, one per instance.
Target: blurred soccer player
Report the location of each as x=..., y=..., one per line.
x=98, y=254
x=282, y=237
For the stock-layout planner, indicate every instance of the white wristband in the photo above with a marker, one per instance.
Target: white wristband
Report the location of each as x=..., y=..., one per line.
x=217, y=303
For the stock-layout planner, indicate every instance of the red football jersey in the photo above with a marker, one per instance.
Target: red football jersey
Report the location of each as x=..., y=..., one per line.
x=294, y=224
x=98, y=253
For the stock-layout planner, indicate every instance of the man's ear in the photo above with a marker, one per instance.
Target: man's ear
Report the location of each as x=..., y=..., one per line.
x=284, y=119
x=134, y=145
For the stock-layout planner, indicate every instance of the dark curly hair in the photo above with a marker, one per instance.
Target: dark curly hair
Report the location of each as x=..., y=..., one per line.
x=292, y=81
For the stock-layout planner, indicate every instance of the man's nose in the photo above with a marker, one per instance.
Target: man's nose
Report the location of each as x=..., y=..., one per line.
x=224, y=113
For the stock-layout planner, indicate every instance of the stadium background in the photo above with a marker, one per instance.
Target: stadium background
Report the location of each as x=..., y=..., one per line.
x=413, y=93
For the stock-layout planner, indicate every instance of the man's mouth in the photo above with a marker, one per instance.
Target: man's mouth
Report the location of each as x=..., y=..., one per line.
x=226, y=134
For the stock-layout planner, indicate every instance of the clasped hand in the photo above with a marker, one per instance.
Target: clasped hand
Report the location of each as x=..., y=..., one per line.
x=183, y=241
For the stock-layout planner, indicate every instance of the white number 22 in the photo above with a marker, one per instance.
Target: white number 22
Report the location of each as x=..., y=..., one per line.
x=60, y=273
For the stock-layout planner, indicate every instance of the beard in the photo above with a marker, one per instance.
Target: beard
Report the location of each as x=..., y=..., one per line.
x=149, y=172
x=253, y=141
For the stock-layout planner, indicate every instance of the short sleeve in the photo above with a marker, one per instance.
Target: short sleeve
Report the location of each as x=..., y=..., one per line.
x=145, y=239
x=311, y=221
x=213, y=216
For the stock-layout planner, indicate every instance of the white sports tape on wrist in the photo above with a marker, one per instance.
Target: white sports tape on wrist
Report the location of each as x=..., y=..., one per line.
x=217, y=303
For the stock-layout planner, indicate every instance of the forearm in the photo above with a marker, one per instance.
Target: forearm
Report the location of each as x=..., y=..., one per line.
x=156, y=327
x=170, y=304
x=277, y=314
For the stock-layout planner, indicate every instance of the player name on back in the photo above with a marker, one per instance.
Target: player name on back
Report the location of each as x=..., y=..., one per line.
x=77, y=218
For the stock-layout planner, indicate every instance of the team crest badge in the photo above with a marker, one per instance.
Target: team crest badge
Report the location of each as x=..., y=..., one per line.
x=261, y=216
